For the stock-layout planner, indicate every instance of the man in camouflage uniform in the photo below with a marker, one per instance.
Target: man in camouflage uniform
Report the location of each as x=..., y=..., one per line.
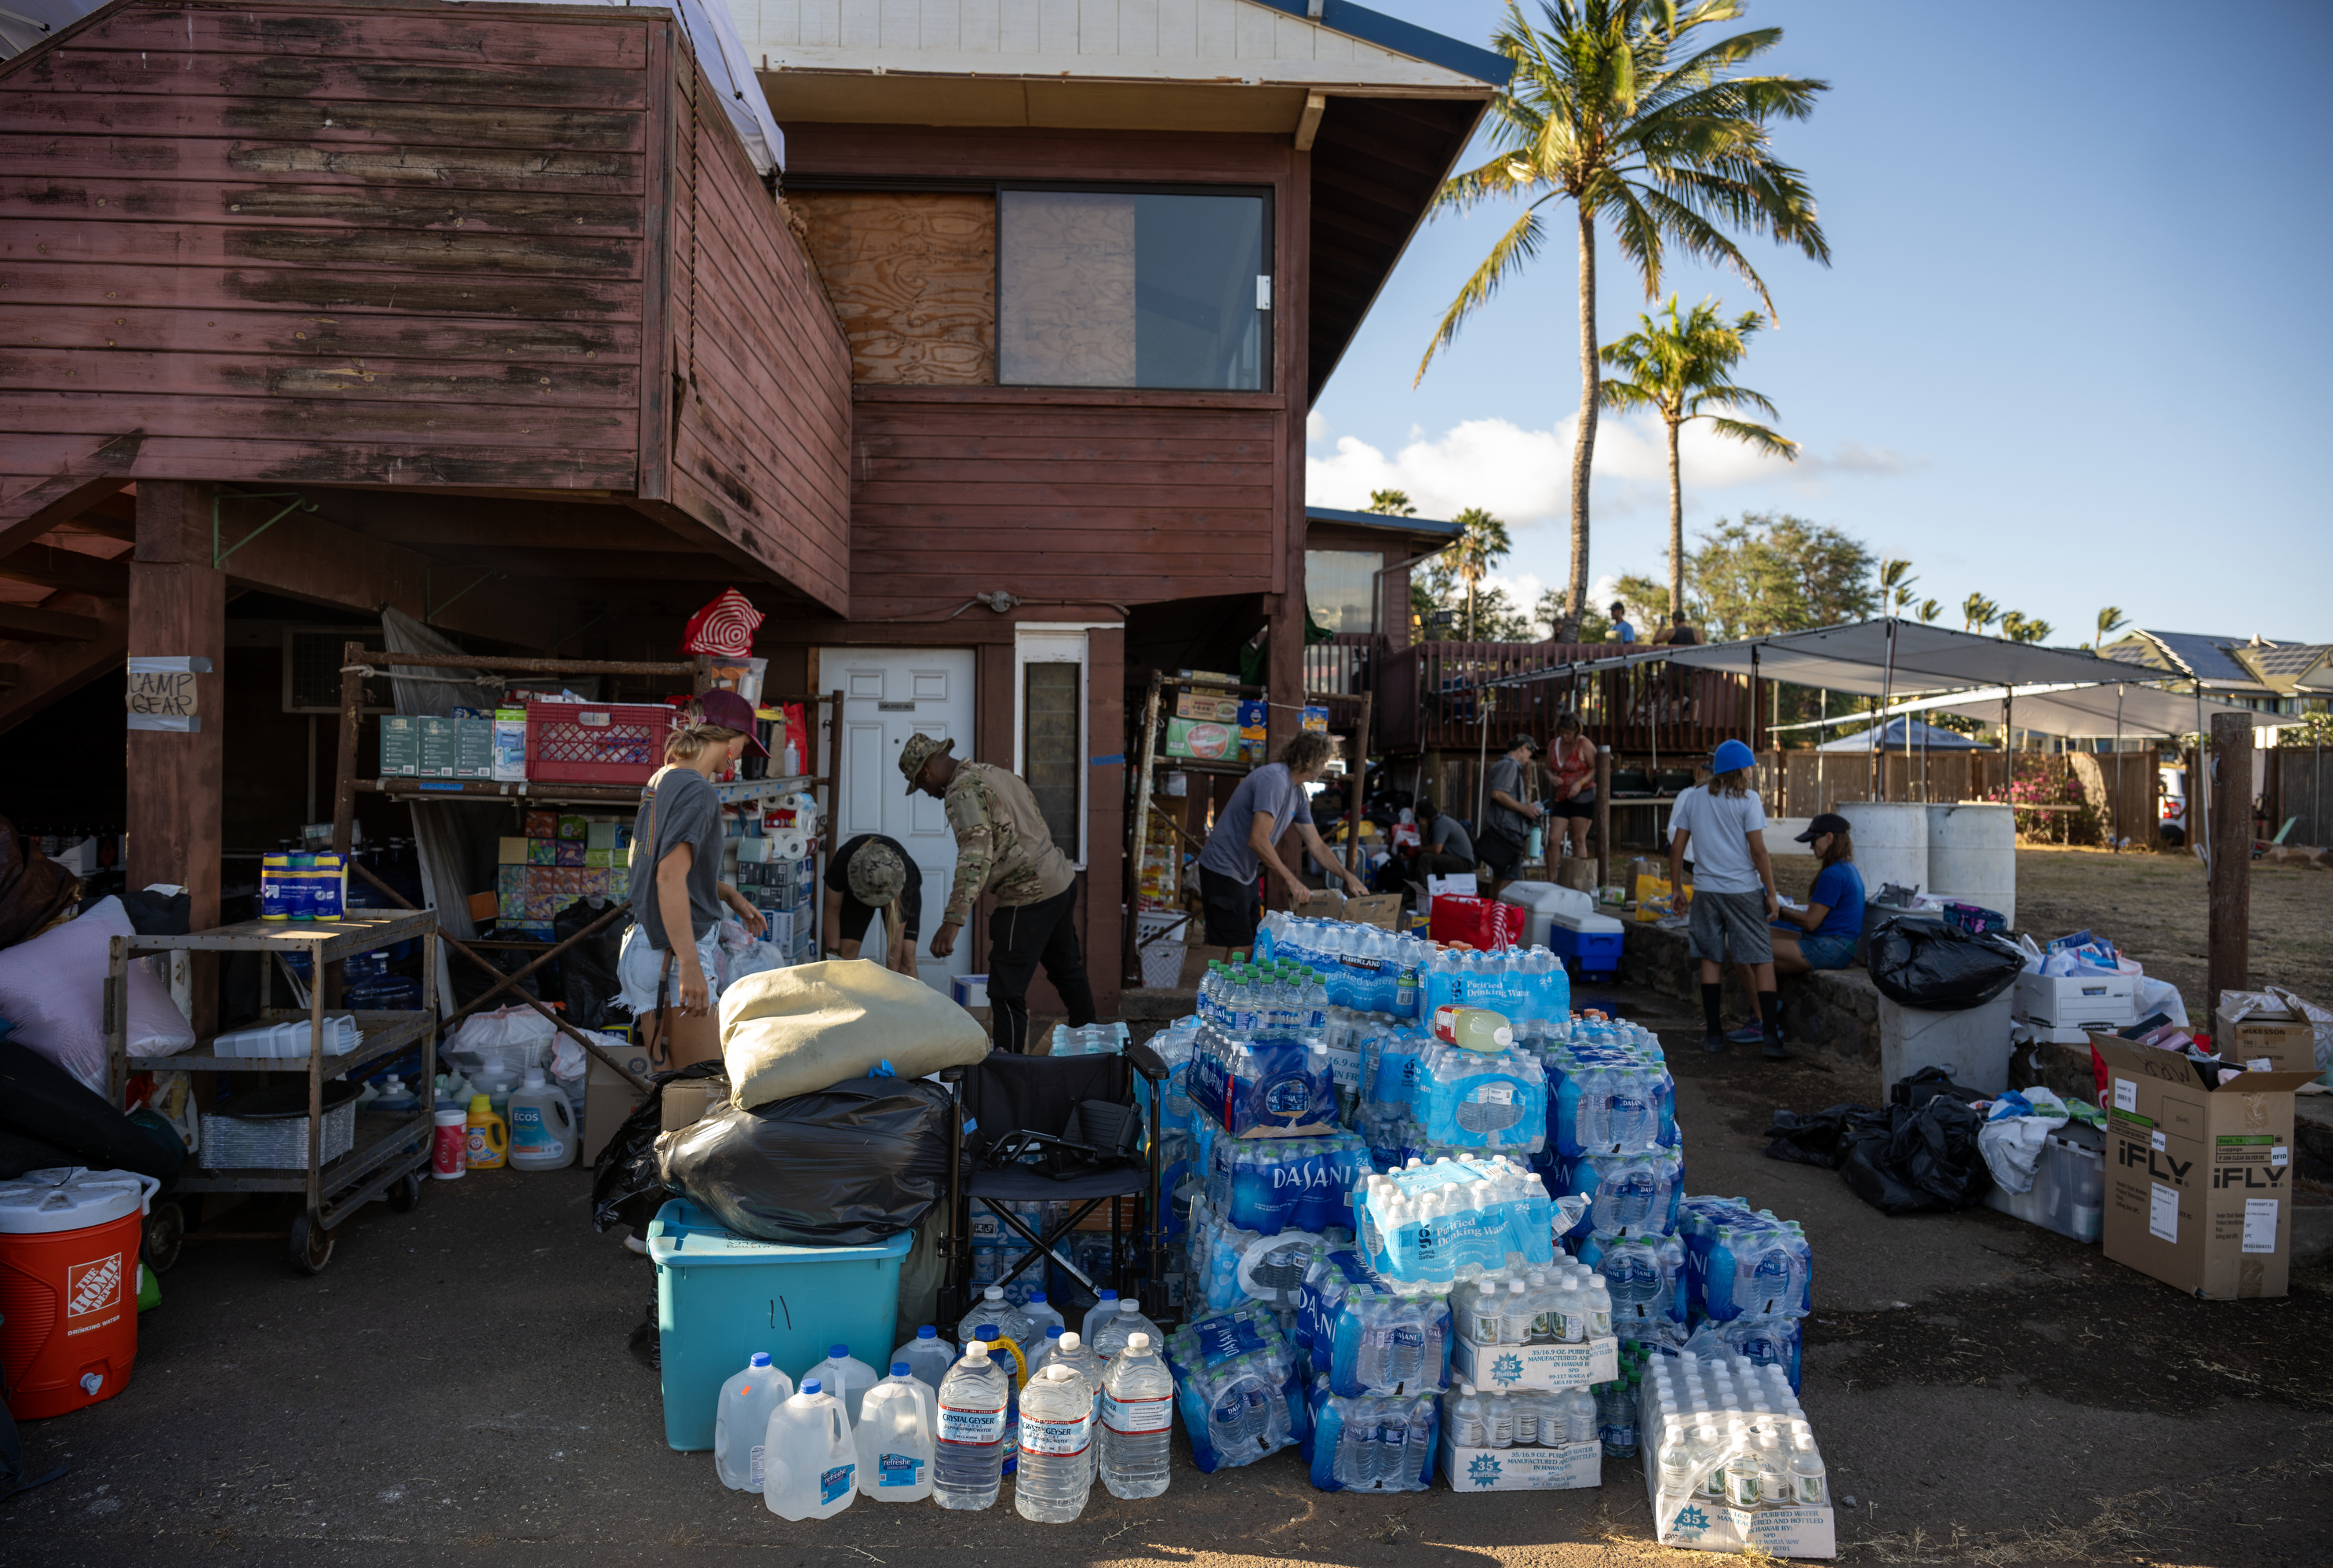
x=1003, y=848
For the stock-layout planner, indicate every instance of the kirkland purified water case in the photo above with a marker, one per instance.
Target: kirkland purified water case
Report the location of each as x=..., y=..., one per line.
x=2199, y=1171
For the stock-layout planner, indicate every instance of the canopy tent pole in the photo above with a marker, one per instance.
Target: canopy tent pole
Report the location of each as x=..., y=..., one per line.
x=1879, y=732
x=2117, y=783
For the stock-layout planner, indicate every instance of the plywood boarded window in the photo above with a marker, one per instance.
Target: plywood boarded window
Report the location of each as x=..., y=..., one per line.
x=912, y=275
x=1068, y=310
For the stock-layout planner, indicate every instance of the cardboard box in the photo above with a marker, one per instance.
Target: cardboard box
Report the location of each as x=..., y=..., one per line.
x=1212, y=707
x=969, y=991
x=1699, y=1525
x=401, y=747
x=474, y=748
x=685, y=1101
x=1559, y=1366
x=510, y=852
x=2199, y=1174
x=542, y=824
x=1522, y=1469
x=437, y=748
x=1379, y=909
x=608, y=1099
x=2274, y=1026
x=2076, y=1001
x=1204, y=739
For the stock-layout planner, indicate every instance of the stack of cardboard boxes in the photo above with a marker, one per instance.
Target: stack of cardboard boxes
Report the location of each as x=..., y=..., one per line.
x=471, y=743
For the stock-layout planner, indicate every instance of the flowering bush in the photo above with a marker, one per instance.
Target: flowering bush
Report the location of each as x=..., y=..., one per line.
x=2048, y=780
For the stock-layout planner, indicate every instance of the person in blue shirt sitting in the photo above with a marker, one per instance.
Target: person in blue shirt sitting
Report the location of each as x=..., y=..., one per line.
x=1833, y=922
x=1621, y=630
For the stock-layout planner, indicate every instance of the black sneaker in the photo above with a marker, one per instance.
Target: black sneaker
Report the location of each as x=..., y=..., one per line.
x=1714, y=1043
x=1776, y=1050
x=1748, y=1035
x=645, y=1344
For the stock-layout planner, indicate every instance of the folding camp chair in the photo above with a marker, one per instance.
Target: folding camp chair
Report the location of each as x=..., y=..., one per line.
x=1023, y=1119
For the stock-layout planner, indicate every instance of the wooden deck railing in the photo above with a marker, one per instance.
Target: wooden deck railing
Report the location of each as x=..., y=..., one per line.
x=1651, y=710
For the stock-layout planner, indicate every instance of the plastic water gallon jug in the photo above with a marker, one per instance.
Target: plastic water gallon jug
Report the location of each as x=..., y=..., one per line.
x=895, y=1438
x=742, y=1420
x=844, y=1376
x=928, y=1355
x=541, y=1126
x=810, y=1463
x=489, y=1138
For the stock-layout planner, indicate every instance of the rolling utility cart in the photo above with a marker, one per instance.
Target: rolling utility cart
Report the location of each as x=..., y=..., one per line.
x=348, y=1159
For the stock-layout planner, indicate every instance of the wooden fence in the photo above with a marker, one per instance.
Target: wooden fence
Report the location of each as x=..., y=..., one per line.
x=2121, y=787
x=2296, y=782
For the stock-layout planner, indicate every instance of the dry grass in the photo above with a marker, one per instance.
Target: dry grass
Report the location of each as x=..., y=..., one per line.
x=2152, y=906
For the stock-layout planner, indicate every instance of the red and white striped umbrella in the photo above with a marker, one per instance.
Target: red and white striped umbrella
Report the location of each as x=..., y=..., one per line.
x=724, y=628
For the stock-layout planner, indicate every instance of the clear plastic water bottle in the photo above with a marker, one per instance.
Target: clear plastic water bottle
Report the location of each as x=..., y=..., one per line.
x=845, y=1378
x=994, y=1311
x=968, y=1469
x=1105, y=1306
x=895, y=1438
x=1056, y=1432
x=1137, y=1409
x=1465, y=1423
x=1116, y=1333
x=809, y=1461
x=1071, y=1351
x=1039, y=1314
x=928, y=1355
x=742, y=1417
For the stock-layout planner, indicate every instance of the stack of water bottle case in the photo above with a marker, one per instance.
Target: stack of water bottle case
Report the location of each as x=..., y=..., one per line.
x=1424, y=1218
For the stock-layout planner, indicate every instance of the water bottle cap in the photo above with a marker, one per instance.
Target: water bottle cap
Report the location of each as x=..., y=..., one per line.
x=1129, y=1306
x=1071, y=1339
x=984, y=1334
x=1054, y=1331
x=993, y=1293
x=1036, y=1296
x=1058, y=1373
x=1107, y=1294
x=759, y=1358
x=1133, y=1343
x=838, y=1352
x=976, y=1351
x=899, y=1369
x=927, y=1332
x=810, y=1386
x=1467, y=1390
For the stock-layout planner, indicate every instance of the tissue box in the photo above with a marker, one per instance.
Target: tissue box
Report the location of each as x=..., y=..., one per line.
x=542, y=824
x=401, y=747
x=438, y=749
x=511, y=852
x=542, y=852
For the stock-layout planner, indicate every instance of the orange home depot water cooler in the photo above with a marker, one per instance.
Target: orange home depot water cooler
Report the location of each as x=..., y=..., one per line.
x=69, y=1286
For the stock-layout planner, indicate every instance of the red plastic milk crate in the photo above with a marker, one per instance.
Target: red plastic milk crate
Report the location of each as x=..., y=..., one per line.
x=613, y=743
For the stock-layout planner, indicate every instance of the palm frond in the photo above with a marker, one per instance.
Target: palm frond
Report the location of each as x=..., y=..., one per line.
x=1755, y=436
x=1518, y=245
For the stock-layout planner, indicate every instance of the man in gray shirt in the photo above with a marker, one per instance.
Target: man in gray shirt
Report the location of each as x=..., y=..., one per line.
x=1508, y=819
x=1444, y=848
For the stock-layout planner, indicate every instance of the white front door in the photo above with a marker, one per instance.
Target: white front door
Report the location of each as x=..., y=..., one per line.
x=887, y=695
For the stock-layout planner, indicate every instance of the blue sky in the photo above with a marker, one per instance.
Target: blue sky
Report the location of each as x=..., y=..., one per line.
x=2067, y=352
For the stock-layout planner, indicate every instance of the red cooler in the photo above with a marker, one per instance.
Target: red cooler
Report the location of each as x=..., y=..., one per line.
x=69, y=1286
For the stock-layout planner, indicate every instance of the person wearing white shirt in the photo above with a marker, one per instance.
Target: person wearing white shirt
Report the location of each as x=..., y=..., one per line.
x=1723, y=829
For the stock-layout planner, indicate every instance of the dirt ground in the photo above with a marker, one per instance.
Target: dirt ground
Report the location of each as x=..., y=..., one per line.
x=2152, y=906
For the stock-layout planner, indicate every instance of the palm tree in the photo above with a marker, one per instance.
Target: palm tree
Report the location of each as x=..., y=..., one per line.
x=1977, y=613
x=1617, y=107
x=1896, y=582
x=1391, y=503
x=1683, y=369
x=2110, y=621
x=2017, y=628
x=1482, y=543
x=1929, y=610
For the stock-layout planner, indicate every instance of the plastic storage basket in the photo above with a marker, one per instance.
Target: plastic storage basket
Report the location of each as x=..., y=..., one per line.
x=614, y=742
x=268, y=1130
x=721, y=1296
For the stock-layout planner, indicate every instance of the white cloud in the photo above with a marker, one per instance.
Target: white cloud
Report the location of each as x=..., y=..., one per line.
x=1525, y=476
x=1316, y=429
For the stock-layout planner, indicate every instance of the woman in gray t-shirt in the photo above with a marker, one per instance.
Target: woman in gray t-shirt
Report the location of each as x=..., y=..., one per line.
x=676, y=886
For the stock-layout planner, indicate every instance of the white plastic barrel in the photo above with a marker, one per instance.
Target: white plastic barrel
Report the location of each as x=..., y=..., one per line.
x=1891, y=842
x=1973, y=854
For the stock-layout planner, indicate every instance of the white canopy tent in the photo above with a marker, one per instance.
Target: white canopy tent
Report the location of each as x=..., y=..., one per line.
x=2075, y=712
x=1879, y=657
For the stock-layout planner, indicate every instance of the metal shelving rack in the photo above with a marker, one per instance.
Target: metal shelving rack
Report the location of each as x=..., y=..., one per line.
x=388, y=1153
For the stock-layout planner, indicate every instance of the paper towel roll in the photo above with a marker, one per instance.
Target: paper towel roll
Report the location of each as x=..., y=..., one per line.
x=787, y=846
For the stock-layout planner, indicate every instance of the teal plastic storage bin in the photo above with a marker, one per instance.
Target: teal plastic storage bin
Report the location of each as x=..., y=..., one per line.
x=721, y=1296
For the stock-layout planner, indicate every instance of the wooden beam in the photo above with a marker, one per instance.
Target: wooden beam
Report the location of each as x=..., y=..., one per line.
x=27, y=514
x=177, y=608
x=1308, y=123
x=46, y=566
x=43, y=672
x=25, y=624
x=2231, y=841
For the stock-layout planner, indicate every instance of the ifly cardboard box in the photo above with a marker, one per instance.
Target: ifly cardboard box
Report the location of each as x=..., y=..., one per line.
x=2199, y=1172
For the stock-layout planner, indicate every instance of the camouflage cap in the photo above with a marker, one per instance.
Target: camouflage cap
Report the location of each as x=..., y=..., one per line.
x=917, y=752
x=876, y=874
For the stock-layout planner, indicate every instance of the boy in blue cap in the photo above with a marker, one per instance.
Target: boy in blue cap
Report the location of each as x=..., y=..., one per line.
x=1723, y=828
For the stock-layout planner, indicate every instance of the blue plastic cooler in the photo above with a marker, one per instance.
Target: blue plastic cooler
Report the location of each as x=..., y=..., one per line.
x=721, y=1296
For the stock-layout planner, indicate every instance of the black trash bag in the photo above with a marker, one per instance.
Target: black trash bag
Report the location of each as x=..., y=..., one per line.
x=1817, y=1139
x=41, y=1102
x=154, y=914
x=1921, y=961
x=626, y=1189
x=587, y=971
x=1928, y=1083
x=1901, y=1160
x=19, y=1154
x=848, y=1166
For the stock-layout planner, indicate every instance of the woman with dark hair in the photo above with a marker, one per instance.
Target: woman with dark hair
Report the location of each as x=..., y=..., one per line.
x=1829, y=928
x=676, y=888
x=1571, y=773
x=1267, y=802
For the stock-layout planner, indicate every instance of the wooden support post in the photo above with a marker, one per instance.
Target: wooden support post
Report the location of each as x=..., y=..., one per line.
x=177, y=608
x=2230, y=938
x=1283, y=675
x=1356, y=776
x=1139, y=829
x=344, y=776
x=1603, y=815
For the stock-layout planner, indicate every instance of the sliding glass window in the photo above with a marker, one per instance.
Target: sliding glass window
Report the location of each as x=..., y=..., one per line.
x=1132, y=289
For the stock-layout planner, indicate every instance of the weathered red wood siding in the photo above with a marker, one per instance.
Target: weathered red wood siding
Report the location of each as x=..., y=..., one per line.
x=1091, y=497
x=328, y=245
x=759, y=448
